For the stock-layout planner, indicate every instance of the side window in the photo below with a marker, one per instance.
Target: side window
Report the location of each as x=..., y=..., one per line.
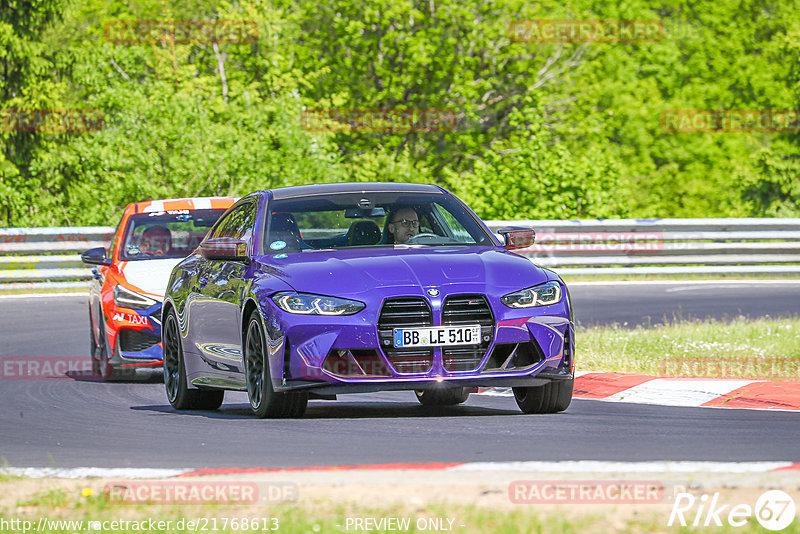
x=238, y=224
x=456, y=228
x=425, y=225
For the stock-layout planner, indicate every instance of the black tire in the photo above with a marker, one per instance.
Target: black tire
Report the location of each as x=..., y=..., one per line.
x=175, y=383
x=442, y=397
x=93, y=346
x=553, y=397
x=101, y=359
x=112, y=373
x=264, y=400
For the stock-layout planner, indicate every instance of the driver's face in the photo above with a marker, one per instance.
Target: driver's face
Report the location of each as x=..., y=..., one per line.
x=155, y=244
x=405, y=224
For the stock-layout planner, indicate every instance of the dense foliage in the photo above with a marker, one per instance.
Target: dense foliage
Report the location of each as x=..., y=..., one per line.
x=532, y=129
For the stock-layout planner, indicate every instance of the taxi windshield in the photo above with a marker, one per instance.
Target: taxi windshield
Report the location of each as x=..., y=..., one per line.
x=166, y=234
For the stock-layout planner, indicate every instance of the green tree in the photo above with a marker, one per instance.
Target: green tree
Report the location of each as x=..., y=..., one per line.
x=452, y=56
x=26, y=83
x=534, y=176
x=180, y=120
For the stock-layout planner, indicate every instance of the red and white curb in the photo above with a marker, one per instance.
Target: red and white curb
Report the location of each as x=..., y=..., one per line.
x=576, y=467
x=705, y=392
x=583, y=466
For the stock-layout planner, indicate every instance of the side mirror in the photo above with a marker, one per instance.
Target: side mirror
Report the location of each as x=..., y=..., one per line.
x=95, y=256
x=516, y=237
x=225, y=248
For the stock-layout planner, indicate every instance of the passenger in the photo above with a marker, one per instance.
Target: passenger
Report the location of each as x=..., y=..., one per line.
x=403, y=225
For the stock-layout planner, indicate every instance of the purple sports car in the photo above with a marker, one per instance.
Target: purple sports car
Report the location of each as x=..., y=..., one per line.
x=305, y=292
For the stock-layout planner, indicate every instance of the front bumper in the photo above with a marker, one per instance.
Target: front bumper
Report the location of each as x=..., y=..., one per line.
x=524, y=351
x=323, y=388
x=136, y=336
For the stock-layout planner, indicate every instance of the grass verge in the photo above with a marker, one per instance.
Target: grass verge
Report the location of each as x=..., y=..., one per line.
x=84, y=510
x=741, y=348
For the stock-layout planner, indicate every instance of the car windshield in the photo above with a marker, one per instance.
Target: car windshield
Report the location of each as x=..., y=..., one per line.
x=350, y=220
x=166, y=234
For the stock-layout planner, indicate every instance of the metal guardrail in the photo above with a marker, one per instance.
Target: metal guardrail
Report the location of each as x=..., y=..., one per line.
x=50, y=257
x=664, y=246
x=46, y=258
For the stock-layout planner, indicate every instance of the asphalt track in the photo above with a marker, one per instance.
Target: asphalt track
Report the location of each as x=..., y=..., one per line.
x=73, y=422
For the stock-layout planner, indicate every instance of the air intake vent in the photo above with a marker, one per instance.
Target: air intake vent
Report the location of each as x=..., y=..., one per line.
x=156, y=315
x=136, y=340
x=467, y=309
x=514, y=356
x=355, y=363
x=405, y=312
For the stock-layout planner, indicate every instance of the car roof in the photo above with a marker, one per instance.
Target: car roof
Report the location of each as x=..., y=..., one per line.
x=354, y=187
x=193, y=203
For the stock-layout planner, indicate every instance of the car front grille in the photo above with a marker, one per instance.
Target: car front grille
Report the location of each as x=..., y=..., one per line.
x=465, y=310
x=136, y=340
x=405, y=312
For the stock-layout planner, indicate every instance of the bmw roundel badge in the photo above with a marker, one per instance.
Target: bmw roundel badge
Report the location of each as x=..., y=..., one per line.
x=433, y=292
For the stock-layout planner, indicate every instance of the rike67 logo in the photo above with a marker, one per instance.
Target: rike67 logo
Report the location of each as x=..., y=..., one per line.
x=774, y=510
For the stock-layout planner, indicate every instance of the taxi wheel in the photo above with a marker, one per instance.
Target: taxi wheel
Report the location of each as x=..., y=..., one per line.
x=93, y=348
x=101, y=360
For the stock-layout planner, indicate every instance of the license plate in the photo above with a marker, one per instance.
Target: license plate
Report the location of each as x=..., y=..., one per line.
x=437, y=336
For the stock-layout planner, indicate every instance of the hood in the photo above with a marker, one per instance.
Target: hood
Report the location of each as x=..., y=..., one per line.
x=150, y=276
x=355, y=271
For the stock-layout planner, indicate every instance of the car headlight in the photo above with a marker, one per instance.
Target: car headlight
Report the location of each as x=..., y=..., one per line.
x=541, y=295
x=308, y=304
x=130, y=299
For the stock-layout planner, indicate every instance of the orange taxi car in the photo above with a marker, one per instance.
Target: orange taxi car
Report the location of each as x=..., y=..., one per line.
x=130, y=279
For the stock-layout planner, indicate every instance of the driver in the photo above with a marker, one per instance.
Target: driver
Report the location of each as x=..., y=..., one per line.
x=404, y=225
x=156, y=240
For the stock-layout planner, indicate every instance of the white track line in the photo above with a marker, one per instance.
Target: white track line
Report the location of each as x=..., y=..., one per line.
x=675, y=392
x=91, y=472
x=624, y=467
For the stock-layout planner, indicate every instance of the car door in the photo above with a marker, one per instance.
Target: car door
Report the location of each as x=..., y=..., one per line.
x=220, y=288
